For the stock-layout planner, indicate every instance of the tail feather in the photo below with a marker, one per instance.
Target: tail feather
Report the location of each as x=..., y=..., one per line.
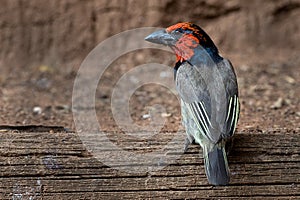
x=216, y=166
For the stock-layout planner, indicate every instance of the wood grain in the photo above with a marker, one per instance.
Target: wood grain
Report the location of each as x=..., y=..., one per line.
x=56, y=165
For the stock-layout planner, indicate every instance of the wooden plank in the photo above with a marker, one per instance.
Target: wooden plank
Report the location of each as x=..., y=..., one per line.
x=54, y=165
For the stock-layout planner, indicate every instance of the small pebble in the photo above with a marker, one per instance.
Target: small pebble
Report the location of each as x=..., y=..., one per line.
x=37, y=110
x=277, y=104
x=287, y=101
x=45, y=68
x=165, y=115
x=146, y=116
x=289, y=79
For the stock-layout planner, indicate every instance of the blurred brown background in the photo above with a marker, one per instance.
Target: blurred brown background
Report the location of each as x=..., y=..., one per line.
x=44, y=42
x=62, y=32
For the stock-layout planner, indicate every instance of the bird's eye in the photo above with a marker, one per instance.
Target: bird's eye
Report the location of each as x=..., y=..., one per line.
x=179, y=30
x=183, y=31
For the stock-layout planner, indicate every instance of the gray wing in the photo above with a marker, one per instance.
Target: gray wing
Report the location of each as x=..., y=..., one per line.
x=232, y=100
x=210, y=98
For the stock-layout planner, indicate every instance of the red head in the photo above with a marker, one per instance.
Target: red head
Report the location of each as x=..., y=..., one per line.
x=184, y=38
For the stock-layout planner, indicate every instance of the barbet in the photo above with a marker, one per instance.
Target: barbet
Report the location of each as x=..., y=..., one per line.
x=207, y=86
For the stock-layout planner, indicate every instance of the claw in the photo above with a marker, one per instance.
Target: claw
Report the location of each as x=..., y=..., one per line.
x=229, y=146
x=188, y=140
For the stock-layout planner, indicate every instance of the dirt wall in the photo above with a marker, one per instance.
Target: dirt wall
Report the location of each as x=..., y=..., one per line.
x=62, y=32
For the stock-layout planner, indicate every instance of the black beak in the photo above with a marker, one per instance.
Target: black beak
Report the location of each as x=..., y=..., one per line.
x=161, y=37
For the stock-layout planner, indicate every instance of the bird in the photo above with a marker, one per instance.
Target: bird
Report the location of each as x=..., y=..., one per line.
x=208, y=90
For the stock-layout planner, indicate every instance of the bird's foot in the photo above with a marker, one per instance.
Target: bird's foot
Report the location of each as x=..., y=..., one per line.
x=188, y=140
x=229, y=146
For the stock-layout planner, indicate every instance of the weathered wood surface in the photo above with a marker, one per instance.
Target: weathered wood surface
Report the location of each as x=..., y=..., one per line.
x=50, y=165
